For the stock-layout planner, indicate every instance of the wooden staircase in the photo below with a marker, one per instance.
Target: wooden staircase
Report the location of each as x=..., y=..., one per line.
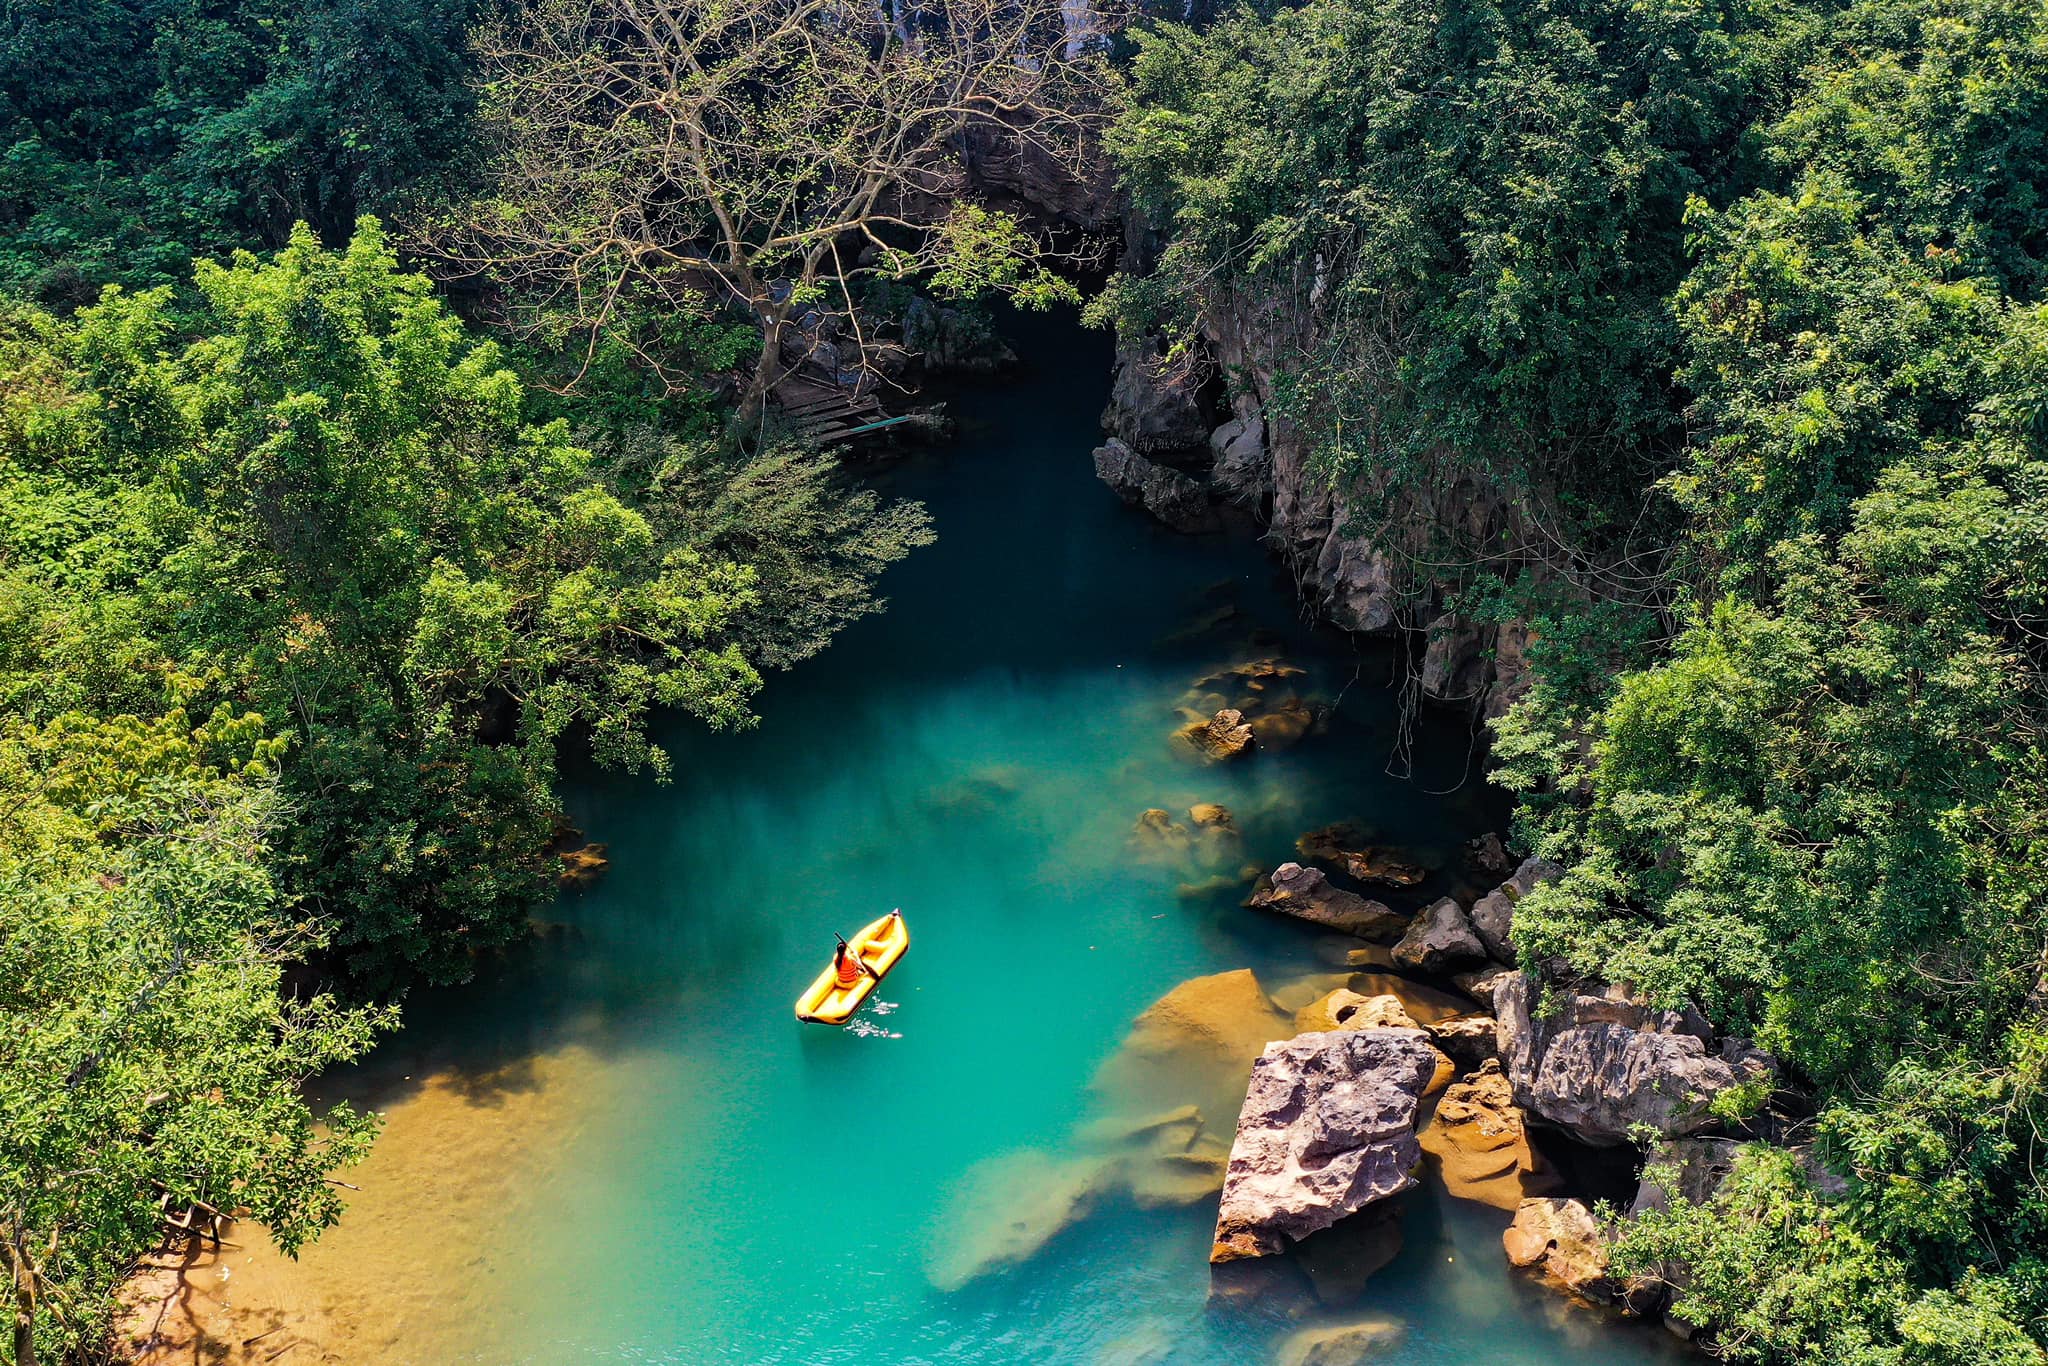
x=827, y=413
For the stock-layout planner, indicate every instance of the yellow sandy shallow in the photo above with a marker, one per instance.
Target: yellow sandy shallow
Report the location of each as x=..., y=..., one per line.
x=878, y=946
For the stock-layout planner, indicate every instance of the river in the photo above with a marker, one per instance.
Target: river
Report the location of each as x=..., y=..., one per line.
x=621, y=1146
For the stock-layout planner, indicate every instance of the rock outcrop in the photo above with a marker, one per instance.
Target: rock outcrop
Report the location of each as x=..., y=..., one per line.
x=1175, y=499
x=1306, y=894
x=1493, y=915
x=1601, y=1065
x=1345, y=847
x=1481, y=1143
x=1562, y=1242
x=1439, y=939
x=1327, y=1128
x=1156, y=405
x=1238, y=467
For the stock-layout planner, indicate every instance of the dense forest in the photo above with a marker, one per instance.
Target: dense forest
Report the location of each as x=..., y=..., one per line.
x=382, y=410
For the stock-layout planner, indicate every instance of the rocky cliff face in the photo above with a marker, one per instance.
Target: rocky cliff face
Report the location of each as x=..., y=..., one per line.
x=1368, y=573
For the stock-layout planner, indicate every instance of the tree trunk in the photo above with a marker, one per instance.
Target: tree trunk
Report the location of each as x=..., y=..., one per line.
x=24, y=1321
x=746, y=418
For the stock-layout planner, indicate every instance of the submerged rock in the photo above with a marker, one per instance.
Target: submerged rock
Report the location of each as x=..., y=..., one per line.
x=1600, y=1065
x=1005, y=1209
x=1481, y=1143
x=581, y=867
x=1493, y=915
x=1345, y=1344
x=1438, y=939
x=1344, y=846
x=1327, y=1128
x=1212, y=816
x=1347, y=1009
x=1341, y=1260
x=1306, y=894
x=1223, y=736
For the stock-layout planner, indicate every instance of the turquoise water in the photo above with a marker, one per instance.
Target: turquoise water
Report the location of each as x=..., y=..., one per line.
x=978, y=755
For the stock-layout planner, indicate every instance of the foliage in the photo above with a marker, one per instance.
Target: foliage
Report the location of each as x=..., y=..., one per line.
x=331, y=505
x=135, y=134
x=147, y=1047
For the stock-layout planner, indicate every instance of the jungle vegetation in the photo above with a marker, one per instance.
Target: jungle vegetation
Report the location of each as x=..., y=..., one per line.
x=1742, y=303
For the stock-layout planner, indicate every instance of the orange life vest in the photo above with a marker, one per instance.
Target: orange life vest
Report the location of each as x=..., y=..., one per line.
x=848, y=968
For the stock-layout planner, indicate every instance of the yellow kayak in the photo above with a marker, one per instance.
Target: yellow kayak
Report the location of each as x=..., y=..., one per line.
x=875, y=949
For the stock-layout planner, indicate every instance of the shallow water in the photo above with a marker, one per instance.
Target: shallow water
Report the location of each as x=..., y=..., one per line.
x=747, y=1189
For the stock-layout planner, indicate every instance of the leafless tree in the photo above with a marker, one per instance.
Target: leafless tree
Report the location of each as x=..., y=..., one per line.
x=716, y=158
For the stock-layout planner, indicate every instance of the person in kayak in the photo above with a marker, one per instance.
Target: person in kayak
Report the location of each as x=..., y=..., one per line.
x=845, y=966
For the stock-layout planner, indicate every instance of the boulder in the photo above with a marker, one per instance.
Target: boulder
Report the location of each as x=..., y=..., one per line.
x=1468, y=1039
x=1488, y=854
x=1481, y=1143
x=1563, y=1243
x=1425, y=1004
x=1334, y=1011
x=1439, y=939
x=1225, y=1016
x=1306, y=894
x=1493, y=915
x=1223, y=736
x=1327, y=1128
x=1175, y=499
x=1155, y=404
x=1688, y=1169
x=1344, y=1344
x=1212, y=816
x=1344, y=846
x=1238, y=463
x=1598, y=1066
x=1479, y=983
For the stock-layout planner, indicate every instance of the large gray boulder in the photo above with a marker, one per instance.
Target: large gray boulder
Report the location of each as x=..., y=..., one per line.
x=1327, y=1128
x=1174, y=498
x=1306, y=894
x=1493, y=915
x=1156, y=404
x=1598, y=1066
x=1439, y=939
x=1238, y=463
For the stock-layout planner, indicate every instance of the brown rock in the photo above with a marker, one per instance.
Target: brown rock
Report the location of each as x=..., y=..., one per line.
x=1212, y=816
x=1306, y=894
x=1341, y=1259
x=1327, y=1128
x=1469, y=1039
x=1480, y=982
x=1345, y=847
x=1481, y=1143
x=581, y=867
x=1347, y=1009
x=1562, y=1241
x=1223, y=736
x=1343, y=1345
x=1438, y=939
x=1284, y=722
x=1426, y=1004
